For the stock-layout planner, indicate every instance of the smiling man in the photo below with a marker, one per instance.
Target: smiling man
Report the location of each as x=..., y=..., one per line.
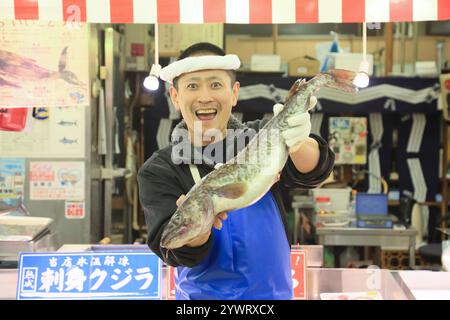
x=247, y=253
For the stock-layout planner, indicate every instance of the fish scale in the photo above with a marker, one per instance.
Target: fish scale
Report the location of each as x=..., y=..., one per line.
x=245, y=179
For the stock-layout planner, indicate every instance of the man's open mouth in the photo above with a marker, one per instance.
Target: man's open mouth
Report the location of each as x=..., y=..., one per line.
x=206, y=114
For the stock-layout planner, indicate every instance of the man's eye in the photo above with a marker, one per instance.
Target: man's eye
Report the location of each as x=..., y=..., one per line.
x=216, y=85
x=192, y=86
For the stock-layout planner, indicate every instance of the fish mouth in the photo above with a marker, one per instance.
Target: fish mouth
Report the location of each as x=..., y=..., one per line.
x=343, y=80
x=167, y=241
x=173, y=239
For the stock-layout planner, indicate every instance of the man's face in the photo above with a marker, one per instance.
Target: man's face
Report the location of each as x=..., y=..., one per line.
x=205, y=98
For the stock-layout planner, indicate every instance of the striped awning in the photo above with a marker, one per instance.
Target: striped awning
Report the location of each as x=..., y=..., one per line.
x=225, y=11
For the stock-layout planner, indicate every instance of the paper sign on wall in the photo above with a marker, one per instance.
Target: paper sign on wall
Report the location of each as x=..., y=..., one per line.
x=75, y=210
x=348, y=139
x=12, y=179
x=299, y=275
x=61, y=135
x=57, y=180
x=43, y=64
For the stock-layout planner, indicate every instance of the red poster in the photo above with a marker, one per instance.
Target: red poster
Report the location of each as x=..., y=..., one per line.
x=298, y=270
x=75, y=210
x=170, y=284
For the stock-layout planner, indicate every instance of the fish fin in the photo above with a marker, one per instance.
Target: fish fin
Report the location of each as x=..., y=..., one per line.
x=62, y=60
x=295, y=88
x=232, y=190
x=209, y=206
x=5, y=83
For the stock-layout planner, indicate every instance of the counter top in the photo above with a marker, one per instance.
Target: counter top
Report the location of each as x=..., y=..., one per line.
x=391, y=285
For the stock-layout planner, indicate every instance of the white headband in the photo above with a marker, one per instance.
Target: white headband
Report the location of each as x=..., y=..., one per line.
x=190, y=64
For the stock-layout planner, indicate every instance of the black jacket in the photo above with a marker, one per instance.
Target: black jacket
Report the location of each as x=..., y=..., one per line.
x=162, y=181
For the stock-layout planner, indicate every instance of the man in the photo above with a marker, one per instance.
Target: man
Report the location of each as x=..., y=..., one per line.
x=247, y=253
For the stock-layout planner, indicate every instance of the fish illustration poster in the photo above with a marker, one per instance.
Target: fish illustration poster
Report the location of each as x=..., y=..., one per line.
x=57, y=180
x=60, y=135
x=43, y=64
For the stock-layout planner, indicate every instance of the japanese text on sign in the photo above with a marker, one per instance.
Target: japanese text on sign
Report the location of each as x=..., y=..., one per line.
x=90, y=275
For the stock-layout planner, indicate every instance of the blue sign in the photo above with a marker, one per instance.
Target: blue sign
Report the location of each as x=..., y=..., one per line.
x=89, y=275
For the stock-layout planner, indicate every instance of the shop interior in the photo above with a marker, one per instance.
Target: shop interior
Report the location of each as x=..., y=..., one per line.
x=69, y=164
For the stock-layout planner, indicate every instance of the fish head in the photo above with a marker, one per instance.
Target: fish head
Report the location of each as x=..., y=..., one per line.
x=342, y=80
x=295, y=88
x=188, y=222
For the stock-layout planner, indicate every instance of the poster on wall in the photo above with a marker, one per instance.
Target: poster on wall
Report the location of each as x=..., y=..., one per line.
x=12, y=179
x=60, y=135
x=43, y=64
x=57, y=180
x=75, y=210
x=348, y=139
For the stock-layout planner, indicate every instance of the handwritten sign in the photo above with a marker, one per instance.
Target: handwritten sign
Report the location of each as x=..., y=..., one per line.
x=89, y=275
x=57, y=180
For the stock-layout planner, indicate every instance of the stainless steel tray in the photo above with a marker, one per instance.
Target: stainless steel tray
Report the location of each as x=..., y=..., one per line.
x=14, y=228
x=25, y=234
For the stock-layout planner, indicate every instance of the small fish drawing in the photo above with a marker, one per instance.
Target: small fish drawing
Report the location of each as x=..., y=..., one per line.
x=68, y=141
x=68, y=123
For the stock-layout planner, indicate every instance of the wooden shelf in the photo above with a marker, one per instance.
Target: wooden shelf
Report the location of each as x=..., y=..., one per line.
x=426, y=203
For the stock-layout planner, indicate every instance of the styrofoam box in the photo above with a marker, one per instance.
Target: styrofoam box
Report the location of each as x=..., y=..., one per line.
x=340, y=198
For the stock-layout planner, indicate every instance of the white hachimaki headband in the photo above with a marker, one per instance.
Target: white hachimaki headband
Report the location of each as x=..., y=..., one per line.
x=190, y=64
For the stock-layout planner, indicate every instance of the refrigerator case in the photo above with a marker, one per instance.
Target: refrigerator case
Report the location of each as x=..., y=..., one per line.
x=25, y=234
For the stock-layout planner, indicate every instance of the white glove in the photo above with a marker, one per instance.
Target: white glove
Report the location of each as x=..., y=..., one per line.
x=299, y=126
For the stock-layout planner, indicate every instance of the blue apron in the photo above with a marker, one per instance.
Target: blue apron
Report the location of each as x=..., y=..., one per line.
x=250, y=259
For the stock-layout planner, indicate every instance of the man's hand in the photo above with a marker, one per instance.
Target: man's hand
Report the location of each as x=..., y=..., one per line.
x=202, y=239
x=299, y=126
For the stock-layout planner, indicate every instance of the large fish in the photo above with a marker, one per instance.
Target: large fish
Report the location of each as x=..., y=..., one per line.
x=15, y=69
x=245, y=179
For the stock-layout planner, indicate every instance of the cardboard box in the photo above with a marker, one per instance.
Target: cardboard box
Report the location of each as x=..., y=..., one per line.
x=265, y=62
x=304, y=67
